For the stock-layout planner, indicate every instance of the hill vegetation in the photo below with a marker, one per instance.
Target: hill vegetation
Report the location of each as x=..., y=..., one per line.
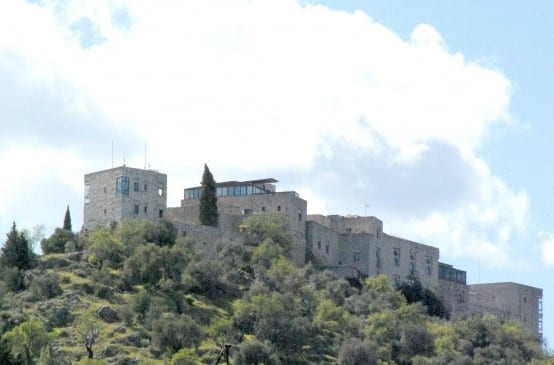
x=135, y=293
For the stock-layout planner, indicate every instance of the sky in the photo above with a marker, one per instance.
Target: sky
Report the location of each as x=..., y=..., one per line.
x=433, y=118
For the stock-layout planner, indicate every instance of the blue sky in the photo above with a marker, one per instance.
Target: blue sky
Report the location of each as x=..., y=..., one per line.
x=431, y=117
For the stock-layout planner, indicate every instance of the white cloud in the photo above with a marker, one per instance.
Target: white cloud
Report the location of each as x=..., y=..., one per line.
x=547, y=249
x=260, y=86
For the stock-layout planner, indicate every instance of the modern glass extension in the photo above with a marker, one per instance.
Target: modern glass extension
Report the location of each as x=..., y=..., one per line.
x=236, y=188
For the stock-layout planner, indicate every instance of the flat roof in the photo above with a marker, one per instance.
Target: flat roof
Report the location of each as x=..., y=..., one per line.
x=268, y=180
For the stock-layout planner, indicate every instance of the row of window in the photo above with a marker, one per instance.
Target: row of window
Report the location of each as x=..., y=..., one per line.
x=241, y=190
x=449, y=273
x=145, y=209
x=396, y=258
x=122, y=186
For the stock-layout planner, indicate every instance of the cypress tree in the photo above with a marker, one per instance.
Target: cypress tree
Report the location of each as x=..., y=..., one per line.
x=67, y=220
x=208, y=200
x=15, y=252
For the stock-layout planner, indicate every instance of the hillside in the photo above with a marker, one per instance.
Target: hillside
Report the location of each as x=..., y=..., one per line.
x=134, y=293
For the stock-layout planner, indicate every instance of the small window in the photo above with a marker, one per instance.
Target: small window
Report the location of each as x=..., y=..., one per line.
x=104, y=211
x=161, y=213
x=146, y=209
x=412, y=267
x=327, y=249
x=278, y=208
x=319, y=245
x=396, y=257
x=145, y=187
x=136, y=186
x=136, y=209
x=356, y=256
x=263, y=209
x=300, y=217
x=105, y=190
x=87, y=194
x=160, y=191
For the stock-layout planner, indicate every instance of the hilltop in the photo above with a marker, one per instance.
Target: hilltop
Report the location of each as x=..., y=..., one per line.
x=134, y=293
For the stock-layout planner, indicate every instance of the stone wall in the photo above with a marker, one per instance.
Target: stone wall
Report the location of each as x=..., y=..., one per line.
x=509, y=301
x=233, y=209
x=147, y=197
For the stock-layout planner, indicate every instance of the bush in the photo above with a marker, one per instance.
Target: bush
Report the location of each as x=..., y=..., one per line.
x=172, y=332
x=45, y=287
x=255, y=352
x=356, y=352
x=162, y=233
x=56, y=243
x=13, y=277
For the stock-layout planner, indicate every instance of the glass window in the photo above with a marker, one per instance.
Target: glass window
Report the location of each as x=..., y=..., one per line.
x=326, y=249
x=136, y=186
x=136, y=209
x=122, y=186
x=243, y=190
x=319, y=245
x=249, y=190
x=146, y=209
x=412, y=267
x=356, y=256
x=145, y=187
x=87, y=193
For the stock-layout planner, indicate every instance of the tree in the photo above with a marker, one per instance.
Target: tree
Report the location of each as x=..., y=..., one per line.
x=16, y=252
x=27, y=340
x=67, y=220
x=57, y=241
x=208, y=199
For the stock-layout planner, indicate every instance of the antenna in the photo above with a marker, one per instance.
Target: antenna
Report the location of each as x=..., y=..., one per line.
x=112, y=153
x=145, y=153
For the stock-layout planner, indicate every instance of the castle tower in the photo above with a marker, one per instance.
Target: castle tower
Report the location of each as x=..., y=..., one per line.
x=123, y=193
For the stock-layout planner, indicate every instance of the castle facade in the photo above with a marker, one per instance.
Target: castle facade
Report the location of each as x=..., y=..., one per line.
x=350, y=246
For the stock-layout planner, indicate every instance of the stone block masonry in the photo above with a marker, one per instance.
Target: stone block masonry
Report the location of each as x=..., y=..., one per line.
x=123, y=193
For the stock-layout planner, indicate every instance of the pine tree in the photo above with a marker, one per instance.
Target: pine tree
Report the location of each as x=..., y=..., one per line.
x=208, y=199
x=67, y=220
x=15, y=252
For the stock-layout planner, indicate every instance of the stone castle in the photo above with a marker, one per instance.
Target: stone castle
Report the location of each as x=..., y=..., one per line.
x=351, y=246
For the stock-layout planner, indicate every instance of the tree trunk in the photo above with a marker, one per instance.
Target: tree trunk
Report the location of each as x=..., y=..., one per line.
x=89, y=350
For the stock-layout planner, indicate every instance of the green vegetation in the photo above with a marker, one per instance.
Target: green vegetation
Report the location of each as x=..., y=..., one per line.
x=134, y=293
x=208, y=199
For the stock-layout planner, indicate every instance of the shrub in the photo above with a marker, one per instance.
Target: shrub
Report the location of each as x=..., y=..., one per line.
x=172, y=332
x=45, y=287
x=56, y=243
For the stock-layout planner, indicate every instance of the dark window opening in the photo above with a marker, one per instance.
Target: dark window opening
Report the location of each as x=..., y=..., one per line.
x=136, y=209
x=278, y=208
x=146, y=209
x=136, y=186
x=327, y=249
x=161, y=213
